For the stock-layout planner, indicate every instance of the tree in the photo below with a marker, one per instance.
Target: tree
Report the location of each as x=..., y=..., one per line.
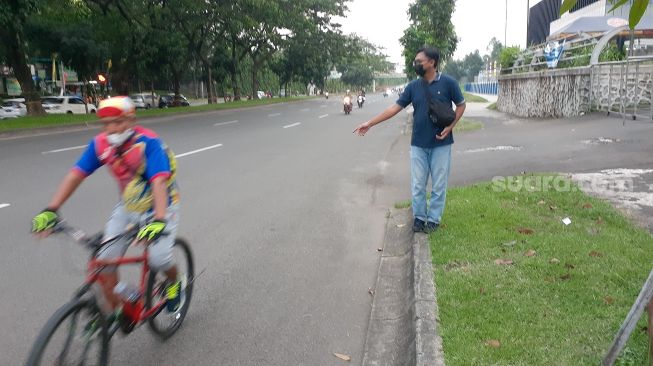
x=494, y=47
x=430, y=25
x=14, y=14
x=472, y=64
x=454, y=68
x=358, y=75
x=637, y=9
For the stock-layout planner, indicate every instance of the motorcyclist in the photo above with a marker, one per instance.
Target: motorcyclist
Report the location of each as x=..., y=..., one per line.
x=326, y=94
x=347, y=102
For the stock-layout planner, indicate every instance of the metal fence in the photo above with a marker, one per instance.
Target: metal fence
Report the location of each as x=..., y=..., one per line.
x=483, y=88
x=623, y=87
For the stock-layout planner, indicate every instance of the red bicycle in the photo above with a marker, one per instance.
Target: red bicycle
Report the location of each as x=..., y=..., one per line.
x=79, y=333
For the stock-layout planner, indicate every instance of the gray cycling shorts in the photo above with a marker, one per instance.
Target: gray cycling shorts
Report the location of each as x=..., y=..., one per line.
x=159, y=253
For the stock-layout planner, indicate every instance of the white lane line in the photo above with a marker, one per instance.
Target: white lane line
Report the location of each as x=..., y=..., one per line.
x=292, y=125
x=323, y=106
x=3, y=205
x=225, y=123
x=274, y=114
x=64, y=149
x=305, y=110
x=324, y=115
x=198, y=150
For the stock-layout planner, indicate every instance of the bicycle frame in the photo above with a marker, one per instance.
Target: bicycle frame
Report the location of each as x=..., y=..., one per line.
x=94, y=275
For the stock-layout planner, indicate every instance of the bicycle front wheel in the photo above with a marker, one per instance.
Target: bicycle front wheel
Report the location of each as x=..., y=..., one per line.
x=163, y=323
x=76, y=334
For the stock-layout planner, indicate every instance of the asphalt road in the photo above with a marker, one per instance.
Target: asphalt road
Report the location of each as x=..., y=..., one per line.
x=285, y=209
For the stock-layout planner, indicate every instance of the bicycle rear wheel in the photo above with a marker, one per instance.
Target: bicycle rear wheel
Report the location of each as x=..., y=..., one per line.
x=76, y=334
x=163, y=323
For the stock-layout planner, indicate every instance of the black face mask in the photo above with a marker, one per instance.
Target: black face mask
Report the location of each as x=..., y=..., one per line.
x=419, y=69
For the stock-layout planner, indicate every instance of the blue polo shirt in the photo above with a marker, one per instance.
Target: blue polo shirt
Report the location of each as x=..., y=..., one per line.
x=443, y=88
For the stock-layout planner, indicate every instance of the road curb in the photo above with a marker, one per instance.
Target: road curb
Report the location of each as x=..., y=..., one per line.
x=403, y=327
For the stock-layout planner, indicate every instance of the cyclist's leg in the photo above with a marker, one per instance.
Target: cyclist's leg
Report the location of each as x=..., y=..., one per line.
x=161, y=259
x=160, y=252
x=116, y=225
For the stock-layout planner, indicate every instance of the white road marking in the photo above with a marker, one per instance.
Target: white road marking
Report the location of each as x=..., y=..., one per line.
x=3, y=205
x=322, y=116
x=225, y=123
x=198, y=150
x=64, y=149
x=292, y=125
x=305, y=110
x=274, y=114
x=323, y=106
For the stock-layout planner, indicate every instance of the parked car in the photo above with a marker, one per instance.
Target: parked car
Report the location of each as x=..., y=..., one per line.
x=66, y=104
x=139, y=101
x=149, y=100
x=12, y=108
x=167, y=101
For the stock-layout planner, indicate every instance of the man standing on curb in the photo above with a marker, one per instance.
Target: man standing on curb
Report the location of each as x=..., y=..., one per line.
x=430, y=150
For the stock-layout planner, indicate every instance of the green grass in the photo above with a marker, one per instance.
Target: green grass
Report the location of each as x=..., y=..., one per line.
x=53, y=120
x=471, y=98
x=468, y=124
x=541, y=312
x=492, y=106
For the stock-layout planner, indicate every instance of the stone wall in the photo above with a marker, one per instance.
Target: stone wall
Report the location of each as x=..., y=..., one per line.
x=545, y=94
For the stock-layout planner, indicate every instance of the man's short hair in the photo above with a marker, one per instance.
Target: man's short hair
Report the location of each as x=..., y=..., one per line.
x=432, y=53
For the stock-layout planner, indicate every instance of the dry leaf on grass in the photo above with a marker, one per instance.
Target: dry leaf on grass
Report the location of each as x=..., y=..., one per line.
x=588, y=205
x=493, y=343
x=553, y=208
x=481, y=290
x=566, y=277
x=530, y=253
x=541, y=203
x=599, y=220
x=503, y=262
x=525, y=231
x=594, y=253
x=608, y=300
x=569, y=266
x=554, y=261
x=342, y=357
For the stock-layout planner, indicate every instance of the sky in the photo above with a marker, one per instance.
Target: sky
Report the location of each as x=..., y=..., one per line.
x=382, y=22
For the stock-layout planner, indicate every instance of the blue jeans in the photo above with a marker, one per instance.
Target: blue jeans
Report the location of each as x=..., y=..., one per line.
x=434, y=162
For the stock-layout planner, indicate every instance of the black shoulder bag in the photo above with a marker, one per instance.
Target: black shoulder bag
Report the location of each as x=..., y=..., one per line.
x=440, y=113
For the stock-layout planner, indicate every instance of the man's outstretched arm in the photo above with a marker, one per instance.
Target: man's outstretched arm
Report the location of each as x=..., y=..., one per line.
x=386, y=114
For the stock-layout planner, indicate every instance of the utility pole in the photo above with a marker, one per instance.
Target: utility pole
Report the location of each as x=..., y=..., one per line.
x=528, y=18
x=505, y=29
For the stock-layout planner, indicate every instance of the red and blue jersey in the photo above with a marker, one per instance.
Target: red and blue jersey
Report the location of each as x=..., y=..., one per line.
x=134, y=165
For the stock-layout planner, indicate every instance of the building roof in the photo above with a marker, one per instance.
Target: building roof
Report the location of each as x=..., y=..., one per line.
x=600, y=24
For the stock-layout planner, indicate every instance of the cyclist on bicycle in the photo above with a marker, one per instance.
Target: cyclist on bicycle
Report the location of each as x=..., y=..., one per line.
x=145, y=170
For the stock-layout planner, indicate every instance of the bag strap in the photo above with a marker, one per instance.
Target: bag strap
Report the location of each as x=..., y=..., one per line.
x=426, y=90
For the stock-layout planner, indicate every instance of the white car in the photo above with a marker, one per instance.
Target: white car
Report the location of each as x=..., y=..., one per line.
x=149, y=100
x=13, y=108
x=66, y=104
x=139, y=101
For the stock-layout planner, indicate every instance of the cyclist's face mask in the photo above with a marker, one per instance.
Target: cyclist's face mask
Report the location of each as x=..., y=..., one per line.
x=118, y=130
x=117, y=139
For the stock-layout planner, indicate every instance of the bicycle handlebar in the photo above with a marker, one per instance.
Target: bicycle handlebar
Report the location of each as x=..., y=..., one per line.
x=94, y=241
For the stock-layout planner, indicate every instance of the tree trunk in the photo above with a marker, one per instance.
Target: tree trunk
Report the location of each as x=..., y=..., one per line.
x=210, y=84
x=233, y=70
x=255, y=83
x=17, y=59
